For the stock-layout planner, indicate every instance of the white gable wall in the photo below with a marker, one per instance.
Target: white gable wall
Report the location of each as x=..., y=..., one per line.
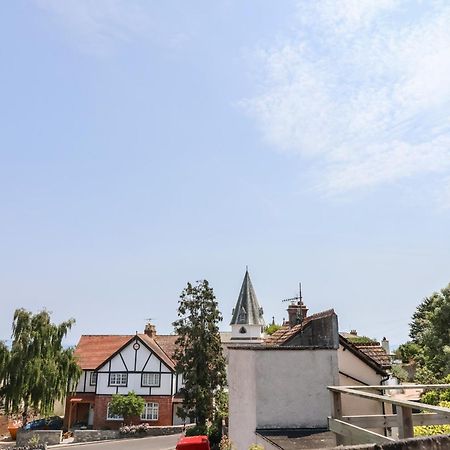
x=133, y=360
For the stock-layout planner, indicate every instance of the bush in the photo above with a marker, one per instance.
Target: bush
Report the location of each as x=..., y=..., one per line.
x=215, y=434
x=197, y=430
x=399, y=372
x=430, y=397
x=431, y=430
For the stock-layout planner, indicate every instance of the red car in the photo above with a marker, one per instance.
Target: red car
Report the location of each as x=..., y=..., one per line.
x=193, y=443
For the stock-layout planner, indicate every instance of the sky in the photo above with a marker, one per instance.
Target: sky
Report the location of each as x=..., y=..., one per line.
x=145, y=144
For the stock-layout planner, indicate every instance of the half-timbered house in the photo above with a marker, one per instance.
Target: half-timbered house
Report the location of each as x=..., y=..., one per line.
x=118, y=364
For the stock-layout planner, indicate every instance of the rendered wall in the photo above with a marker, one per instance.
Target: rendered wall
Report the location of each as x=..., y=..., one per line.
x=278, y=388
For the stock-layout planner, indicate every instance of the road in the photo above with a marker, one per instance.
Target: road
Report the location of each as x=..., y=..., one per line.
x=149, y=443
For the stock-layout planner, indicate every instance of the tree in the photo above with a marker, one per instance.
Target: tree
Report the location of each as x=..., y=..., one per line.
x=36, y=370
x=199, y=357
x=430, y=331
x=127, y=406
x=409, y=352
x=270, y=329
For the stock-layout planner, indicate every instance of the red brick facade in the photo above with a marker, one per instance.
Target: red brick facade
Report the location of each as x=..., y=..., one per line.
x=100, y=402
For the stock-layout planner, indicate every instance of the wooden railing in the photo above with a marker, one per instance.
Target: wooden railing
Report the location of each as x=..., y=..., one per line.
x=354, y=428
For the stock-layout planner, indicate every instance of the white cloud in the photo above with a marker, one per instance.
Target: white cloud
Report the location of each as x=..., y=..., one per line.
x=362, y=89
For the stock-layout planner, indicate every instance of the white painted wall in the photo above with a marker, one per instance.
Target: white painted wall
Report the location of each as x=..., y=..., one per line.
x=242, y=398
x=350, y=364
x=278, y=388
x=253, y=331
x=84, y=382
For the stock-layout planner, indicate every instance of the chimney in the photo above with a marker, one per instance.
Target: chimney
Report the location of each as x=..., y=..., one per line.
x=295, y=314
x=353, y=332
x=385, y=345
x=150, y=330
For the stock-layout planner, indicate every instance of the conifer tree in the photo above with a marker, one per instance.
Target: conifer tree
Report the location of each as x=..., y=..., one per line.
x=199, y=353
x=36, y=370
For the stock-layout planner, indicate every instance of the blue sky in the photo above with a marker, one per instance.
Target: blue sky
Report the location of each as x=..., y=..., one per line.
x=144, y=144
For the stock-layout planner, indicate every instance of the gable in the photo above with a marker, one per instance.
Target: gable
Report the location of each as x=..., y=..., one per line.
x=138, y=354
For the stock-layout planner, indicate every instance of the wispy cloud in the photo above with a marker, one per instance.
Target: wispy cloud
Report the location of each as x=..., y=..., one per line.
x=362, y=90
x=98, y=26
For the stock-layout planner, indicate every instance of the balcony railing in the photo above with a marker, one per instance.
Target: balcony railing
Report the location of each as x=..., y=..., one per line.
x=359, y=429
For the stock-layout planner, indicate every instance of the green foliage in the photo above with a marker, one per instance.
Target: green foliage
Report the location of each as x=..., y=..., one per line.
x=36, y=370
x=430, y=331
x=199, y=352
x=197, y=430
x=399, y=372
x=127, y=406
x=215, y=434
x=222, y=404
x=256, y=447
x=425, y=376
x=361, y=340
x=409, y=352
x=430, y=398
x=430, y=430
x=437, y=396
x=270, y=329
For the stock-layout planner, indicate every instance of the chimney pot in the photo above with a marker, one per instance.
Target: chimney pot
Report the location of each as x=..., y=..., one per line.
x=150, y=330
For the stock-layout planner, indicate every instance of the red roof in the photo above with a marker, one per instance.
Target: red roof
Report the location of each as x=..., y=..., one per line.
x=93, y=350
x=285, y=332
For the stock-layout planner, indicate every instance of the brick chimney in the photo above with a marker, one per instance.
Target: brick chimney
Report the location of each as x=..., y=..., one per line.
x=150, y=330
x=296, y=313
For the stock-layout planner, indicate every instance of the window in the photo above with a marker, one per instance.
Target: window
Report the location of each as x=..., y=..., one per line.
x=151, y=411
x=118, y=379
x=150, y=379
x=111, y=416
x=93, y=379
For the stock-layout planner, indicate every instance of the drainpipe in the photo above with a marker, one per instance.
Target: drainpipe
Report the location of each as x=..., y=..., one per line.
x=383, y=409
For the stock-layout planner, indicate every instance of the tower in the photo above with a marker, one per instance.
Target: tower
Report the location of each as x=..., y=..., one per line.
x=247, y=323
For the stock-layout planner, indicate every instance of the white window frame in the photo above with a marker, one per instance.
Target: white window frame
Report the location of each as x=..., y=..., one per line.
x=111, y=416
x=151, y=411
x=118, y=379
x=148, y=383
x=93, y=377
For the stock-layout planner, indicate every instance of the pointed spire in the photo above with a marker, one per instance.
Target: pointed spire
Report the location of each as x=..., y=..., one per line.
x=247, y=310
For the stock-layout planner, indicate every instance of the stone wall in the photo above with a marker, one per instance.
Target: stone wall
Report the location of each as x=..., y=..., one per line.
x=441, y=442
x=50, y=437
x=101, y=435
x=94, y=435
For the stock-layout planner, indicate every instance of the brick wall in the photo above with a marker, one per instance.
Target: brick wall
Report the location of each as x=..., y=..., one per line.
x=85, y=397
x=100, y=408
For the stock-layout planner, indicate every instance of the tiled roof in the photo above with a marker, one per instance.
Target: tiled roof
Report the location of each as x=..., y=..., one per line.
x=361, y=355
x=93, y=350
x=285, y=333
x=376, y=352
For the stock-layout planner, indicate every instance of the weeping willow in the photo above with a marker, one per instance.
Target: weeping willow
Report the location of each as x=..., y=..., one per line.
x=36, y=370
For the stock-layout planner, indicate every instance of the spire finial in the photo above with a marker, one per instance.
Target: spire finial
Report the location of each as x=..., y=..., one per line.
x=246, y=268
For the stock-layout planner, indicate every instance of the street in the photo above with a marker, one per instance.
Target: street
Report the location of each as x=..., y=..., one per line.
x=149, y=443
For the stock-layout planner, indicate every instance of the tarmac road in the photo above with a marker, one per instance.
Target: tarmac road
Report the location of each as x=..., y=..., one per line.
x=149, y=443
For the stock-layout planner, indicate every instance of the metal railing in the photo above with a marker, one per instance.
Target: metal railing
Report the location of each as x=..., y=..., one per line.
x=355, y=428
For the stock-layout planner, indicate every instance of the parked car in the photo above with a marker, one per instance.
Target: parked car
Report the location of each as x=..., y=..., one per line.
x=47, y=423
x=193, y=443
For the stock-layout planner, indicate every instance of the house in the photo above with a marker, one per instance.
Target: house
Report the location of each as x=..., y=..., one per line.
x=358, y=364
x=118, y=364
x=278, y=383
